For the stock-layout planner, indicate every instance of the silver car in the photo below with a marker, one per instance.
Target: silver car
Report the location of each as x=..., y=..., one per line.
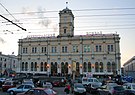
x=78, y=88
x=20, y=89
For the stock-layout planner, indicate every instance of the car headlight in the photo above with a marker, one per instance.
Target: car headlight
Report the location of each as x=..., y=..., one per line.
x=75, y=90
x=84, y=90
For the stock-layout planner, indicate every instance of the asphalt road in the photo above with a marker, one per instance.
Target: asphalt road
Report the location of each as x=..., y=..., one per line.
x=60, y=91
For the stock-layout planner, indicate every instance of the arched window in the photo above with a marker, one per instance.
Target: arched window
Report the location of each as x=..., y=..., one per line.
x=55, y=65
x=35, y=67
x=41, y=66
x=77, y=66
x=108, y=67
x=77, y=69
x=85, y=67
x=53, y=68
x=22, y=66
x=96, y=67
x=26, y=66
x=89, y=67
x=62, y=68
x=32, y=66
x=113, y=67
x=45, y=66
x=66, y=68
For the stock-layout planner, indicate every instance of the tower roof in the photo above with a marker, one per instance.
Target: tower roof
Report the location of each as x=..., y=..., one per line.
x=66, y=9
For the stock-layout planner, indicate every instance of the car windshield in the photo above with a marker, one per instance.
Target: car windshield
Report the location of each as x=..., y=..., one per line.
x=27, y=82
x=79, y=86
x=133, y=86
x=7, y=83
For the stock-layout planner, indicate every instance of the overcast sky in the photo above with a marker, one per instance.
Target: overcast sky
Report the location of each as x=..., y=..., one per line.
x=41, y=17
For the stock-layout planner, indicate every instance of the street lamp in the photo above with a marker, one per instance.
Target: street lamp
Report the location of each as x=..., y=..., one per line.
x=48, y=66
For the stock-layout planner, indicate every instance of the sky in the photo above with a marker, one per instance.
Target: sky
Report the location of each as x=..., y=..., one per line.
x=41, y=17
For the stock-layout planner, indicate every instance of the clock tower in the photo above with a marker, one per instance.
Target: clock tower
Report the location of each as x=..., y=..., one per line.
x=66, y=23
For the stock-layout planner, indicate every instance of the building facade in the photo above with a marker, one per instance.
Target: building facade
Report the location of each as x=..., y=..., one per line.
x=129, y=67
x=8, y=62
x=96, y=53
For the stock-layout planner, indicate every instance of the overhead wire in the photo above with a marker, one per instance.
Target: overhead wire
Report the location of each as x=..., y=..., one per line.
x=87, y=16
x=75, y=10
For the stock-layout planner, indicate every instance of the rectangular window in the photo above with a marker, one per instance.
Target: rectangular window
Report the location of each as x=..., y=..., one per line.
x=54, y=49
x=110, y=48
x=86, y=48
x=75, y=48
x=24, y=50
x=64, y=49
x=43, y=50
x=34, y=49
x=98, y=48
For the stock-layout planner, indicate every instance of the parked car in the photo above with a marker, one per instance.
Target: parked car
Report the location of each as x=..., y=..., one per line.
x=28, y=82
x=56, y=83
x=19, y=89
x=7, y=85
x=47, y=85
x=130, y=88
x=92, y=88
x=39, y=91
x=2, y=80
x=78, y=88
x=86, y=81
x=116, y=90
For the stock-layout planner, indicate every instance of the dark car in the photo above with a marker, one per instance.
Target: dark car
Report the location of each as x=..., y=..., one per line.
x=7, y=85
x=117, y=90
x=56, y=83
x=39, y=91
x=92, y=88
x=78, y=88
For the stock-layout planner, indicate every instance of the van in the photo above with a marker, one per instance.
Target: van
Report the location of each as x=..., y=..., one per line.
x=91, y=80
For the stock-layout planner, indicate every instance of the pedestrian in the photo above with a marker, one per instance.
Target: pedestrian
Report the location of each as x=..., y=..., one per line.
x=67, y=89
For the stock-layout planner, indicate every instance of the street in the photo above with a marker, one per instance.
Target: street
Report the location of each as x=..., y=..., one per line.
x=60, y=91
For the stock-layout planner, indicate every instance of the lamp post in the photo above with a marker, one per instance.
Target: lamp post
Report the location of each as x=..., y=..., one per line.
x=81, y=69
x=48, y=66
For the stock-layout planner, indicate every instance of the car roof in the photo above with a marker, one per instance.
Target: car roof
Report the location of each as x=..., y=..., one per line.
x=39, y=88
x=78, y=84
x=130, y=83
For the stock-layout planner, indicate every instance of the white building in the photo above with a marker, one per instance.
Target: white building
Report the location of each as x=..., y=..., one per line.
x=8, y=62
x=96, y=53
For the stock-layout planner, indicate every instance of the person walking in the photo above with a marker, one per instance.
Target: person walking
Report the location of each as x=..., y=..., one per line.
x=67, y=89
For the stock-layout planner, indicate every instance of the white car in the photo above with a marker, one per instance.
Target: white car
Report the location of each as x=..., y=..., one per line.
x=91, y=80
x=47, y=85
x=130, y=86
x=2, y=80
x=20, y=89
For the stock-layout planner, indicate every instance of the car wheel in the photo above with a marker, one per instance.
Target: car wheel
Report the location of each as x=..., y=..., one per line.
x=12, y=93
x=109, y=94
x=132, y=94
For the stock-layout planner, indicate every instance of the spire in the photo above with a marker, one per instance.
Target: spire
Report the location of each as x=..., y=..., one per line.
x=66, y=5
